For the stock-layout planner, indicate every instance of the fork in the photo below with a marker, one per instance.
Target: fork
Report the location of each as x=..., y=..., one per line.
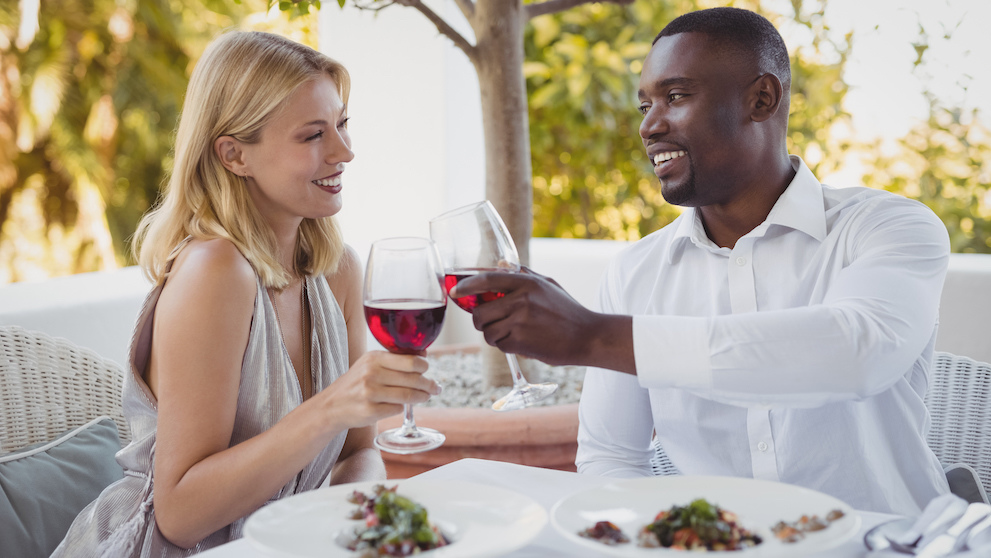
x=950, y=541
x=980, y=534
x=938, y=514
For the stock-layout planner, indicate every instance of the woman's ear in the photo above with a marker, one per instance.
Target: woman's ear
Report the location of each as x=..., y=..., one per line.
x=231, y=156
x=767, y=93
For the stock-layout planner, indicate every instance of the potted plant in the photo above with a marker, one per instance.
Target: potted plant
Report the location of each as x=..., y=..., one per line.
x=542, y=436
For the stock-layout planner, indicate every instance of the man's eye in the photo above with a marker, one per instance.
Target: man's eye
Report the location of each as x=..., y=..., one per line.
x=315, y=136
x=643, y=109
x=675, y=96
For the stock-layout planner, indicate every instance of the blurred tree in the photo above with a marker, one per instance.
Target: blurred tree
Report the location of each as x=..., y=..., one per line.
x=592, y=178
x=90, y=93
x=944, y=162
x=496, y=52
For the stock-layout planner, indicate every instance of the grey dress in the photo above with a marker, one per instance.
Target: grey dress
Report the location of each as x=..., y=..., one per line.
x=121, y=521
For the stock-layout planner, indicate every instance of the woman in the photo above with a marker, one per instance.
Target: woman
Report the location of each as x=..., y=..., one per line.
x=249, y=378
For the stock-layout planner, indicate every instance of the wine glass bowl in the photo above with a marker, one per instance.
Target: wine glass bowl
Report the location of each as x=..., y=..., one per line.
x=473, y=239
x=405, y=301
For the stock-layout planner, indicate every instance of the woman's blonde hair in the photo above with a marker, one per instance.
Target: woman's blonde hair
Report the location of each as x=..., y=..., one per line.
x=241, y=81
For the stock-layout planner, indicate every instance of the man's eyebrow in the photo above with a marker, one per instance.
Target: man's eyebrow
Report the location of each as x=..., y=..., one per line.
x=665, y=83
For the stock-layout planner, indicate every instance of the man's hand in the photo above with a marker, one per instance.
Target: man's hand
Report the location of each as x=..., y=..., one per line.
x=538, y=319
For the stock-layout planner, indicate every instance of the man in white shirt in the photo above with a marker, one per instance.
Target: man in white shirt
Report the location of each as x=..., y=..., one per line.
x=779, y=329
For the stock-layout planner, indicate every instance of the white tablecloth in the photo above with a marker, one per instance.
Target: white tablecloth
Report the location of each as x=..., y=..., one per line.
x=546, y=486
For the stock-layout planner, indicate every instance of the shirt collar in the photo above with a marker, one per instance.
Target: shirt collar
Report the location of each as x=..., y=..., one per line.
x=800, y=207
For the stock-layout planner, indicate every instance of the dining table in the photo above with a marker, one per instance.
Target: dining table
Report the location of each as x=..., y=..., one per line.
x=546, y=487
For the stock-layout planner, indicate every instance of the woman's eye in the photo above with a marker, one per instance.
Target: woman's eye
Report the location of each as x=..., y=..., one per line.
x=315, y=136
x=344, y=123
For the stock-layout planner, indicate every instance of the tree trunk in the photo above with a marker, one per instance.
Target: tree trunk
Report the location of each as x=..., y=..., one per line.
x=499, y=63
x=499, y=29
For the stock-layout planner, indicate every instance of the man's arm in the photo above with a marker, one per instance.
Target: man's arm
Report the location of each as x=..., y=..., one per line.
x=615, y=426
x=875, y=320
x=538, y=319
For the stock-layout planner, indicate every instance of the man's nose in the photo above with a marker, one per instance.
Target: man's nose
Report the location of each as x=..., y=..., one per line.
x=654, y=123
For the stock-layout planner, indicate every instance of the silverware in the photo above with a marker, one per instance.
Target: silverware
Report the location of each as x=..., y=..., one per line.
x=938, y=514
x=980, y=534
x=877, y=538
x=953, y=538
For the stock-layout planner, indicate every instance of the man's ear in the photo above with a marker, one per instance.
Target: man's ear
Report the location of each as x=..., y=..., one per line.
x=766, y=94
x=231, y=156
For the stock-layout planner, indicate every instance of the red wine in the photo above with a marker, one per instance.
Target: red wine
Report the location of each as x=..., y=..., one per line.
x=468, y=303
x=405, y=326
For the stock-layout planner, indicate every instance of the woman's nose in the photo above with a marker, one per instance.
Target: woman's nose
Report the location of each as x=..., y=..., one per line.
x=340, y=149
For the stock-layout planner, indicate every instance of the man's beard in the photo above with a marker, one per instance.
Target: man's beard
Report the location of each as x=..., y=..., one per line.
x=684, y=194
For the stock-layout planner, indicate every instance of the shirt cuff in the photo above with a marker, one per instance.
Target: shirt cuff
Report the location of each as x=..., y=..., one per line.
x=672, y=351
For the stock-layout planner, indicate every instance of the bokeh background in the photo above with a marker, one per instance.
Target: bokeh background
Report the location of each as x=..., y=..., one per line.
x=890, y=94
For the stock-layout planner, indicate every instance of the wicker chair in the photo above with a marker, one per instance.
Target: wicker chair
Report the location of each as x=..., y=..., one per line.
x=660, y=464
x=959, y=403
x=49, y=385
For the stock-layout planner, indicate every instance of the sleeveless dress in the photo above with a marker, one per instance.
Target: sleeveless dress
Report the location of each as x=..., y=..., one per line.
x=121, y=521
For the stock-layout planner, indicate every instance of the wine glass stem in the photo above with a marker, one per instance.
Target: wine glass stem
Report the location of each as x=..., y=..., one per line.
x=514, y=366
x=409, y=425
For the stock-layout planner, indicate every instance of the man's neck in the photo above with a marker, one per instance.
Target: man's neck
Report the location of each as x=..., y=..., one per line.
x=726, y=223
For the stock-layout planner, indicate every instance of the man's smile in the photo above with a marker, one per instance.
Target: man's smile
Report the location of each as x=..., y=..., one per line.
x=665, y=156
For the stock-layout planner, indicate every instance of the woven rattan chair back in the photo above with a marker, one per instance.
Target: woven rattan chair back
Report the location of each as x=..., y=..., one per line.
x=660, y=464
x=49, y=385
x=959, y=403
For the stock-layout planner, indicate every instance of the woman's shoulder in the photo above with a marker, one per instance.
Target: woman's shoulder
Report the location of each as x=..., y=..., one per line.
x=346, y=281
x=214, y=263
x=348, y=270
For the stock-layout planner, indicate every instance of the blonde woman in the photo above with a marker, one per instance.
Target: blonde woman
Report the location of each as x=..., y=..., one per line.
x=249, y=378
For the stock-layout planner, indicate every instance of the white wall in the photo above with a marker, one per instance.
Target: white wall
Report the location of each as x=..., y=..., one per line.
x=97, y=310
x=416, y=121
x=416, y=126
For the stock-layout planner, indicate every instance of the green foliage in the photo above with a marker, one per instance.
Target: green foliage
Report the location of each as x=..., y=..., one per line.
x=946, y=164
x=592, y=178
x=88, y=107
x=591, y=175
x=89, y=102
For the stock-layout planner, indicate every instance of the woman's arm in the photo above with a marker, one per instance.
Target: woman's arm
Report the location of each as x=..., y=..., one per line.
x=201, y=332
x=359, y=459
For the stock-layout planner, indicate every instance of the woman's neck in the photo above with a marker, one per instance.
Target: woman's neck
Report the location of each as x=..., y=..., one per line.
x=286, y=237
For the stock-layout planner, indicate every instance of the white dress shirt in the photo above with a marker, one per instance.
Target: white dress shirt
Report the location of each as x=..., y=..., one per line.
x=800, y=355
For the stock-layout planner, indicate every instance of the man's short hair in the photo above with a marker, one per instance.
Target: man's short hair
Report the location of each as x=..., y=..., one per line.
x=742, y=31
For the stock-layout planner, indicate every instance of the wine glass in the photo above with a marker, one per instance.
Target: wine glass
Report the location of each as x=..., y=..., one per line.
x=473, y=239
x=405, y=302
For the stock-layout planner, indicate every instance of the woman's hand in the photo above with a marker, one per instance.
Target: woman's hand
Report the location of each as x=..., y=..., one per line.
x=376, y=386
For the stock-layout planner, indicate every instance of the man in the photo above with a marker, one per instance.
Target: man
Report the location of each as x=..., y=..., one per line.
x=778, y=329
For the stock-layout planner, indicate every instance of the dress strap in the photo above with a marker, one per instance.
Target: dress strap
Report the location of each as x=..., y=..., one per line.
x=175, y=252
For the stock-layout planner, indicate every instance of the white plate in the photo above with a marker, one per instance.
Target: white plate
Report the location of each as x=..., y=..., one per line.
x=482, y=520
x=633, y=503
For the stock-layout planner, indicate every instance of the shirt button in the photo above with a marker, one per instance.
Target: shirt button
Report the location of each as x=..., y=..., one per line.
x=741, y=261
x=762, y=446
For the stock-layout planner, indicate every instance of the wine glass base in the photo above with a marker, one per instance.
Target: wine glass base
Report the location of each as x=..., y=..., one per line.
x=525, y=396
x=404, y=442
